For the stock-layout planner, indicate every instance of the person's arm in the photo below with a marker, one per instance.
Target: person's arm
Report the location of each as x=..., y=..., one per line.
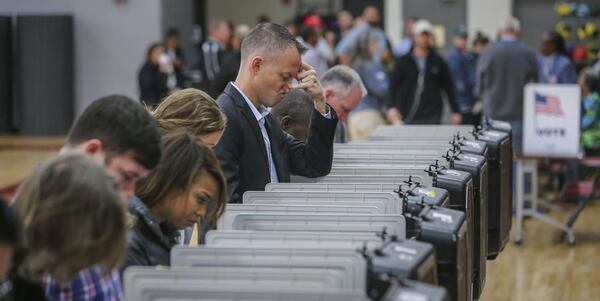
x=568, y=74
x=532, y=75
x=395, y=84
x=480, y=74
x=383, y=48
x=458, y=76
x=314, y=157
x=346, y=45
x=308, y=80
x=448, y=86
x=589, y=114
x=394, y=111
x=471, y=79
x=228, y=151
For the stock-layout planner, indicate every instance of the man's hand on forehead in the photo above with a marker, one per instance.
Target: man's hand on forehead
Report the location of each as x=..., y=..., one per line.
x=305, y=70
x=306, y=77
x=309, y=81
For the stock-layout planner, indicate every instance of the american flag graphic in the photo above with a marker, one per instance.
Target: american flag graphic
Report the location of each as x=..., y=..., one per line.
x=547, y=105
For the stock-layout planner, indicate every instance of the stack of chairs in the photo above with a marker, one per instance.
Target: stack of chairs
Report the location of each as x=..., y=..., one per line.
x=411, y=214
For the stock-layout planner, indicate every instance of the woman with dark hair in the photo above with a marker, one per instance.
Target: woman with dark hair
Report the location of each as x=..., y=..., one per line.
x=553, y=61
x=480, y=43
x=186, y=187
x=153, y=77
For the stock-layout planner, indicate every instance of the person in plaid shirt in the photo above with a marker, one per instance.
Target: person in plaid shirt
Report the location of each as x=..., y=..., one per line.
x=75, y=258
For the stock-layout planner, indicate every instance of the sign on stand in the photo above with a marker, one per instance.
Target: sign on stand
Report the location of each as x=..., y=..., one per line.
x=551, y=120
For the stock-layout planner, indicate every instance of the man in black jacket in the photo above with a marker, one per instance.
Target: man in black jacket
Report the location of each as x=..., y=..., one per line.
x=254, y=150
x=417, y=82
x=213, y=50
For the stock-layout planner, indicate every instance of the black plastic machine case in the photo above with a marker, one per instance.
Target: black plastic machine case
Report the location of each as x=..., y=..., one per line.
x=447, y=230
x=403, y=259
x=500, y=189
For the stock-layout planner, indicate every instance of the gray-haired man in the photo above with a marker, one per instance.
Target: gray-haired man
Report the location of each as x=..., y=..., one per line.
x=343, y=90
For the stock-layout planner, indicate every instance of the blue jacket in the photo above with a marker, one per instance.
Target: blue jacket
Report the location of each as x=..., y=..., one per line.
x=462, y=67
x=556, y=69
x=377, y=84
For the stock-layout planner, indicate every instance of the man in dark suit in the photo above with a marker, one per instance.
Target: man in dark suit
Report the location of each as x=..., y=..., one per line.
x=254, y=150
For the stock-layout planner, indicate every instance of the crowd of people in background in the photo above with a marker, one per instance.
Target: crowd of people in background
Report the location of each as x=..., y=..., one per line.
x=275, y=99
x=410, y=82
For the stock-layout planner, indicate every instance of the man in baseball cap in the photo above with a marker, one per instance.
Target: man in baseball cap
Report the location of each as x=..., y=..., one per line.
x=418, y=80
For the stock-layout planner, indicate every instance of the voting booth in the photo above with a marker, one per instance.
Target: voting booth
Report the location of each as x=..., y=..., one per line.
x=406, y=215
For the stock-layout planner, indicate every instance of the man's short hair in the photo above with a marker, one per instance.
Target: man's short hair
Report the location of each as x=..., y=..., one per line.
x=341, y=79
x=296, y=104
x=269, y=37
x=122, y=125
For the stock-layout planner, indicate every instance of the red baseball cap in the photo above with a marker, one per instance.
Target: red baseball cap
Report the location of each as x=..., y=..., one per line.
x=313, y=21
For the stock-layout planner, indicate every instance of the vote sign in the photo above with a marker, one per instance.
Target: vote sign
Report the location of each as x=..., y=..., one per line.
x=551, y=120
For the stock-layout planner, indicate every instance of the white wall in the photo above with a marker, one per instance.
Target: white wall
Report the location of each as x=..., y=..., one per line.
x=394, y=22
x=180, y=14
x=110, y=41
x=486, y=15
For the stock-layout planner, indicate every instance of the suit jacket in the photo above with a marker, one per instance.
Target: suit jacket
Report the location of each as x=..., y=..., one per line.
x=243, y=156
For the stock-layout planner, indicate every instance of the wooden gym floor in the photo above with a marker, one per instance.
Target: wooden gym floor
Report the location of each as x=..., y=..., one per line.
x=541, y=269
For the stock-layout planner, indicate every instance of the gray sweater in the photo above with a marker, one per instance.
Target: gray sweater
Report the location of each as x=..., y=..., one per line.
x=502, y=72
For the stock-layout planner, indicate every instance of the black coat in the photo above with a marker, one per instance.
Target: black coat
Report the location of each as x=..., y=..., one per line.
x=242, y=152
x=437, y=79
x=17, y=287
x=228, y=73
x=153, y=84
x=149, y=243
